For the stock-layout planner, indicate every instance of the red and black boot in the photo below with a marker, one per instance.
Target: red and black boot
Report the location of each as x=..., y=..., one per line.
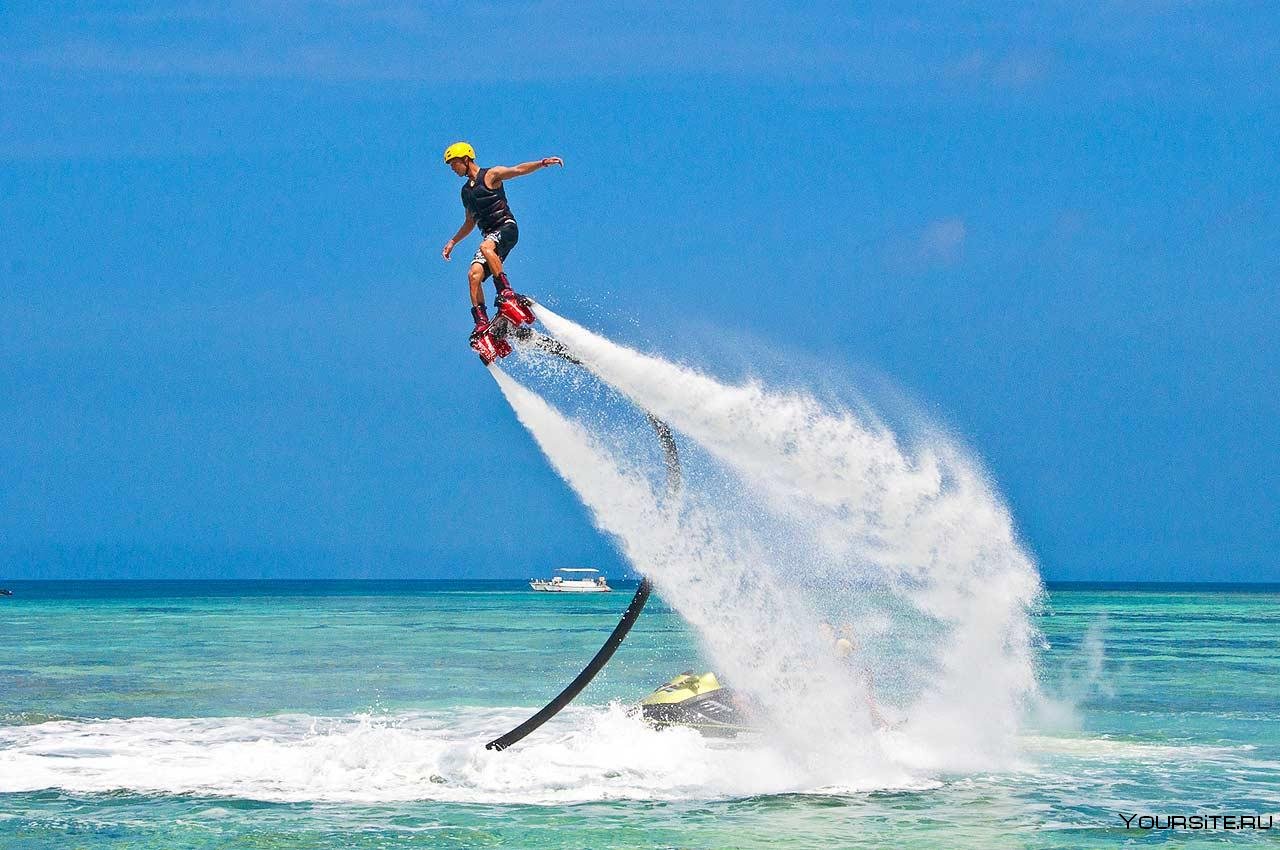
x=482, y=341
x=517, y=308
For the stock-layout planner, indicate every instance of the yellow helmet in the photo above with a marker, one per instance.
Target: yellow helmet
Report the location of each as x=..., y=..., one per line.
x=459, y=149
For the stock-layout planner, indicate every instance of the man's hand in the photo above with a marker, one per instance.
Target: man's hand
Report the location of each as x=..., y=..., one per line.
x=552, y=160
x=448, y=249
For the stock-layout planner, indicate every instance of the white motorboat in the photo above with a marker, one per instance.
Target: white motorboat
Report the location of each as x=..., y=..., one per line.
x=576, y=580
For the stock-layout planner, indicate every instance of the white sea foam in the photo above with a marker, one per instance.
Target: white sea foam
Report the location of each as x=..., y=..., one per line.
x=903, y=538
x=1113, y=750
x=585, y=754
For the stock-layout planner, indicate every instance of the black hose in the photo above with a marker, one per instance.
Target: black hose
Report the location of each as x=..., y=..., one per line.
x=584, y=678
x=601, y=658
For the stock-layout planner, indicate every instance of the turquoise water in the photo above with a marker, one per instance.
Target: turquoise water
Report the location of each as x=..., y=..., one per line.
x=353, y=715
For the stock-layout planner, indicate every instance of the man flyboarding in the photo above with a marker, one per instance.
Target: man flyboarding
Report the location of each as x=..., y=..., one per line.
x=485, y=200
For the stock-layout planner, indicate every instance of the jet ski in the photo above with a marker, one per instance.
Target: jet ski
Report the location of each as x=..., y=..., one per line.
x=699, y=701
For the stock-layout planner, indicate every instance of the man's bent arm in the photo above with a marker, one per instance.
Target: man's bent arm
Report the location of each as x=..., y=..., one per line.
x=467, y=226
x=506, y=172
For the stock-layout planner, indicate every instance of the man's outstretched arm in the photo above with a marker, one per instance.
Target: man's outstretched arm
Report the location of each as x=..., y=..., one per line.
x=505, y=172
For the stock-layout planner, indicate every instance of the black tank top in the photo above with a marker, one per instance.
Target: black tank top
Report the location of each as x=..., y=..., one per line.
x=487, y=206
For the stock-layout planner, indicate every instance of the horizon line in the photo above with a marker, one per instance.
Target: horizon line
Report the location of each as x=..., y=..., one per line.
x=1061, y=583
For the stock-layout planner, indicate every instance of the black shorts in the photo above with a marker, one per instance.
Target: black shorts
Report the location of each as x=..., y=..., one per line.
x=503, y=239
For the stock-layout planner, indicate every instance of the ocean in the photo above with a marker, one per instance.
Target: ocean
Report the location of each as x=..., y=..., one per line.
x=336, y=714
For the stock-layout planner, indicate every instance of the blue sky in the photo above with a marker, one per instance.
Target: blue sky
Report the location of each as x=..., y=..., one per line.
x=229, y=345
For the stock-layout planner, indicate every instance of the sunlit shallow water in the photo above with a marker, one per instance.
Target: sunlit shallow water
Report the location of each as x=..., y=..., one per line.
x=336, y=714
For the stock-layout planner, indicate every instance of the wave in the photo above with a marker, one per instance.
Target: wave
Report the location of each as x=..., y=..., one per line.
x=586, y=754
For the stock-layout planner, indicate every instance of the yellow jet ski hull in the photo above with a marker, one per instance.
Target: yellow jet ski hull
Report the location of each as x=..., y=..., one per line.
x=699, y=701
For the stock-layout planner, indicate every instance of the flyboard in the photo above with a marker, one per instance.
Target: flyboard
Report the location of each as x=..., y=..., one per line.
x=493, y=345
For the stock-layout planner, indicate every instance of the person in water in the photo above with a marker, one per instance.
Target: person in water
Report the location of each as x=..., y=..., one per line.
x=845, y=644
x=485, y=200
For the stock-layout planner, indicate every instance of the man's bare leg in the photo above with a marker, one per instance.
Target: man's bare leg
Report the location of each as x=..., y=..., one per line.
x=475, y=277
x=515, y=307
x=490, y=251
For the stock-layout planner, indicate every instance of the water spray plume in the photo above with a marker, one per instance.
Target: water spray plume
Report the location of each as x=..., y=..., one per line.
x=899, y=538
x=765, y=640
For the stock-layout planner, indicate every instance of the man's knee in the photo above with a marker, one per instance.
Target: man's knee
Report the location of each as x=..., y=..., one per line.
x=476, y=273
x=489, y=249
